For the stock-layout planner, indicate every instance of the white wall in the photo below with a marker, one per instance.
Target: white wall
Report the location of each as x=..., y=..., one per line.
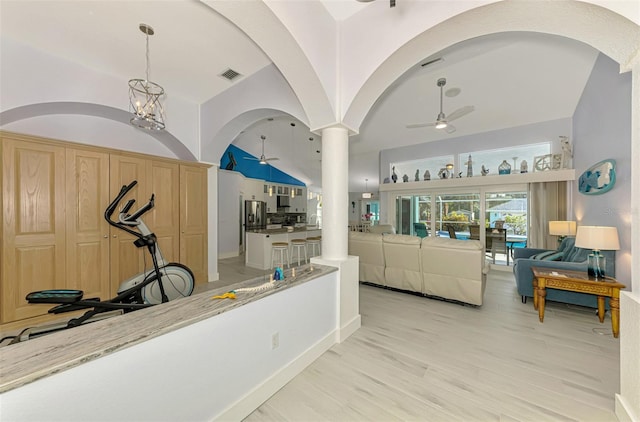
x=222, y=367
x=602, y=130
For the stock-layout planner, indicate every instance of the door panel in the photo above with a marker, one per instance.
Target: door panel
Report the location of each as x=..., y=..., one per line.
x=164, y=219
x=126, y=259
x=193, y=221
x=33, y=189
x=87, y=231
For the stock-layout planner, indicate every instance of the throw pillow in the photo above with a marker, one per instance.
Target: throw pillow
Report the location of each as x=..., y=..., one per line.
x=549, y=256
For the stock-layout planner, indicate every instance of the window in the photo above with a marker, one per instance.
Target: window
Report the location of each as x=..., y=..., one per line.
x=491, y=159
x=410, y=168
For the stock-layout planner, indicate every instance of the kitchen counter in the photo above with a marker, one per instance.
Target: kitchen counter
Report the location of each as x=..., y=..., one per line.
x=284, y=230
x=258, y=243
x=26, y=362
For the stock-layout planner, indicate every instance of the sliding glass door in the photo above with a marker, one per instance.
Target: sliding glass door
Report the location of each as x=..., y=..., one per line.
x=454, y=213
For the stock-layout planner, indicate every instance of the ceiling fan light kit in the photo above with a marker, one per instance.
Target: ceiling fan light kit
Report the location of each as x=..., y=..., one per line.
x=442, y=122
x=263, y=159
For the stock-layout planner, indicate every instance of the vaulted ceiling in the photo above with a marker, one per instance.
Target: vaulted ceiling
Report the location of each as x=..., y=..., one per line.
x=511, y=79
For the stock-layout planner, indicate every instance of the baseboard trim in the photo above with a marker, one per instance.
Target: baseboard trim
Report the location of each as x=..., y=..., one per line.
x=228, y=255
x=622, y=411
x=261, y=393
x=348, y=329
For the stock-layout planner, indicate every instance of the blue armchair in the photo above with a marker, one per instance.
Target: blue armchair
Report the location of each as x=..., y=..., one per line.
x=567, y=257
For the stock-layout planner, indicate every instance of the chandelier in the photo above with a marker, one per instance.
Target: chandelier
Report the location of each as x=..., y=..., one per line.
x=144, y=96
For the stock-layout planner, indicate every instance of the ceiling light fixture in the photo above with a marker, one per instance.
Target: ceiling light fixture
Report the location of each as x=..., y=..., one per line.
x=366, y=194
x=144, y=96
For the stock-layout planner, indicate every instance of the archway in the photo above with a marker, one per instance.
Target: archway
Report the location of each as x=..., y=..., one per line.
x=96, y=110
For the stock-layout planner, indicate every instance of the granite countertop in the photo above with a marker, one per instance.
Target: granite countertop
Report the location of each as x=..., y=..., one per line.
x=31, y=360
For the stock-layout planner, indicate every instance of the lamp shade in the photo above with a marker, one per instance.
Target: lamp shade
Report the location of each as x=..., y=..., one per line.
x=598, y=238
x=562, y=228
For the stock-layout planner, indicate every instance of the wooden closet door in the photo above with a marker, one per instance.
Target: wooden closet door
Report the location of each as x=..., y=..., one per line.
x=87, y=231
x=33, y=238
x=193, y=221
x=126, y=259
x=164, y=219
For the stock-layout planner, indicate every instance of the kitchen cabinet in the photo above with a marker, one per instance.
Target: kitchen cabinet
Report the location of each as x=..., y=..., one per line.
x=53, y=230
x=258, y=252
x=252, y=189
x=272, y=201
x=298, y=202
x=283, y=190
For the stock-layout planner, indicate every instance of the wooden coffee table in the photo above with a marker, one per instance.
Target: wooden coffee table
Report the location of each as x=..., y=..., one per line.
x=577, y=281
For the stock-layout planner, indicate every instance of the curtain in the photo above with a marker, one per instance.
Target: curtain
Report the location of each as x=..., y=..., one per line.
x=547, y=202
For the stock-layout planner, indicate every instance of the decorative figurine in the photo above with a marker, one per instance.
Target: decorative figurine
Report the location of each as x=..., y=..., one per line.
x=427, y=175
x=567, y=152
x=386, y=180
x=524, y=167
x=278, y=274
x=417, y=176
x=405, y=178
x=504, y=168
x=460, y=175
x=394, y=176
x=484, y=171
x=443, y=173
x=469, y=167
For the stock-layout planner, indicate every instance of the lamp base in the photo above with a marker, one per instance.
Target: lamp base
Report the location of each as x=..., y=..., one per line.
x=596, y=265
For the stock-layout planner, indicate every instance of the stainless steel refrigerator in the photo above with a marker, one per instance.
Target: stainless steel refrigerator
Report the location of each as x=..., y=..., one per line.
x=255, y=215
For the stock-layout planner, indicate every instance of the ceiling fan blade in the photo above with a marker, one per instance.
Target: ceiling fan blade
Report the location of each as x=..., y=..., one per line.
x=251, y=158
x=463, y=111
x=271, y=159
x=450, y=128
x=417, y=125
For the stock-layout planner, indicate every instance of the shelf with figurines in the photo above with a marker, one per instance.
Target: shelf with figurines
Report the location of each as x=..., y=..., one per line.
x=546, y=168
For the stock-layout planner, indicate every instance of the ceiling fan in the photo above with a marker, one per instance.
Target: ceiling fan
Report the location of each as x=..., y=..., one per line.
x=262, y=159
x=442, y=121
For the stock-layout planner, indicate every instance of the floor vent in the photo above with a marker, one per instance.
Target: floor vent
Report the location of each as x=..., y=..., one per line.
x=230, y=74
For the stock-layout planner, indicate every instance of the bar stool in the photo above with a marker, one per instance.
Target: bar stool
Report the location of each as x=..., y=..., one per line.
x=283, y=249
x=313, y=242
x=299, y=244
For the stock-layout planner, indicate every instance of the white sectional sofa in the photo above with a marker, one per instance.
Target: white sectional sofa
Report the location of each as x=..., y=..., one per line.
x=446, y=268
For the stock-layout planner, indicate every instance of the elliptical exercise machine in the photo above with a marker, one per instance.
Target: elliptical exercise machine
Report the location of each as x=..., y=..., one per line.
x=163, y=283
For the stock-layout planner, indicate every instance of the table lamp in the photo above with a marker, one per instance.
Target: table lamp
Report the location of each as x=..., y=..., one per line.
x=562, y=229
x=597, y=238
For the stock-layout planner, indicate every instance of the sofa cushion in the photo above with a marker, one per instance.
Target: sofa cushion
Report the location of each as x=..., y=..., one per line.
x=453, y=269
x=368, y=248
x=549, y=256
x=382, y=229
x=402, y=260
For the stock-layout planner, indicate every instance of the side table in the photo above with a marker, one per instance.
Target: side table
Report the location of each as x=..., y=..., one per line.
x=577, y=281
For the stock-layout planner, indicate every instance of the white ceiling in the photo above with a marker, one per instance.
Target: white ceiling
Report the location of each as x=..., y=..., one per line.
x=510, y=79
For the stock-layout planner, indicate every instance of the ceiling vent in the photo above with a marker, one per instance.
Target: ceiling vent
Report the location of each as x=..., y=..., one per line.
x=230, y=74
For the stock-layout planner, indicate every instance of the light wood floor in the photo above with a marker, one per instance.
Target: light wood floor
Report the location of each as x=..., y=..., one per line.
x=422, y=359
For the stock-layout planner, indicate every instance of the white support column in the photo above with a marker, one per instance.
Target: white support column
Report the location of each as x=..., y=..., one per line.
x=335, y=192
x=335, y=233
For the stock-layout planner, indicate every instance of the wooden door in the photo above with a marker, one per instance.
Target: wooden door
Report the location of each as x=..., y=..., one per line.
x=33, y=237
x=126, y=259
x=164, y=219
x=193, y=221
x=87, y=234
